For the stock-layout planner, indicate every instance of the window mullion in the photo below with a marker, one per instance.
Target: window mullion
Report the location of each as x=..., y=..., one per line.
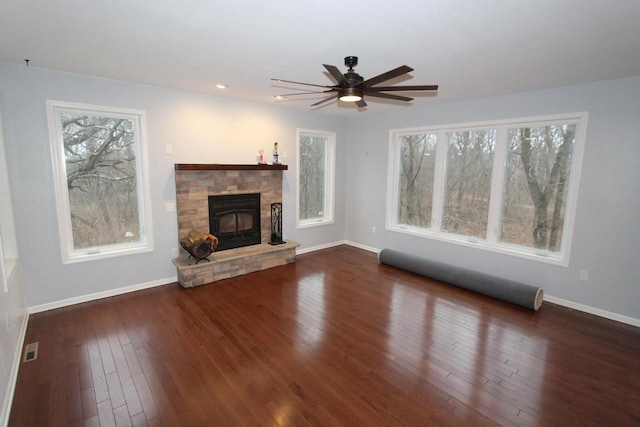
x=497, y=185
x=393, y=180
x=438, y=183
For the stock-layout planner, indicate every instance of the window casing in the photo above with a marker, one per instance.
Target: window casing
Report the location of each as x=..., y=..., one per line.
x=8, y=241
x=506, y=186
x=101, y=181
x=316, y=172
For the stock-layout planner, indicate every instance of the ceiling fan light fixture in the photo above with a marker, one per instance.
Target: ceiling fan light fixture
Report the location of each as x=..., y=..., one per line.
x=350, y=94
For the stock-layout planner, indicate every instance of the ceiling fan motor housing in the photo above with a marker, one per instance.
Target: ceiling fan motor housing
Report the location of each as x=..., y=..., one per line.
x=353, y=78
x=350, y=61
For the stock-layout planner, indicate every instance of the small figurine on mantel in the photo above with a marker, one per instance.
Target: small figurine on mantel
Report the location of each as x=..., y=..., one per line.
x=261, y=157
x=275, y=153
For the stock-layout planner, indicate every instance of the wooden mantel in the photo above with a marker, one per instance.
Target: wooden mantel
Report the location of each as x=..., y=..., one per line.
x=227, y=167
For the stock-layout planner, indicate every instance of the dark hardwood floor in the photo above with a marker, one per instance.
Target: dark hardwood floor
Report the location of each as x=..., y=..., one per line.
x=335, y=339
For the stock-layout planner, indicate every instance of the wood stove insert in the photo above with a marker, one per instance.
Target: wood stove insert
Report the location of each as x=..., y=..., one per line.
x=235, y=220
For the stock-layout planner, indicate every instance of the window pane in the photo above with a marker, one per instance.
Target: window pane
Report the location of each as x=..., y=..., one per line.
x=417, y=168
x=101, y=180
x=313, y=165
x=535, y=188
x=468, y=182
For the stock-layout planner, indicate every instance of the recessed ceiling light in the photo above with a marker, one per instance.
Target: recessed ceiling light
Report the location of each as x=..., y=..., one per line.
x=221, y=86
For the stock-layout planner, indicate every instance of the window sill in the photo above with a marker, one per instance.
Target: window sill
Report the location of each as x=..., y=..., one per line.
x=314, y=223
x=477, y=243
x=104, y=254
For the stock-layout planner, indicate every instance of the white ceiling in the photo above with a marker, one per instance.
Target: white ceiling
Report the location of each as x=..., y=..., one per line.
x=471, y=48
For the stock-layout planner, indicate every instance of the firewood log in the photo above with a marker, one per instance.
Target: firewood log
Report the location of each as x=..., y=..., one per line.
x=199, y=244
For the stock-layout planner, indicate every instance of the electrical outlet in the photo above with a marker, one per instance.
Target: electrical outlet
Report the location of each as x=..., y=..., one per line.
x=31, y=351
x=174, y=252
x=584, y=275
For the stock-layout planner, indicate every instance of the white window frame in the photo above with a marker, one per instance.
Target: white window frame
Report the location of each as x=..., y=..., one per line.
x=8, y=240
x=492, y=242
x=68, y=253
x=328, y=213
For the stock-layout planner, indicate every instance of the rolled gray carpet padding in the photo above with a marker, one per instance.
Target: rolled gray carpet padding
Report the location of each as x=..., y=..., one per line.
x=507, y=290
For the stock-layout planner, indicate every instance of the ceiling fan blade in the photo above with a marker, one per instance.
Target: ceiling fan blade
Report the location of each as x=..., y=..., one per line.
x=333, y=70
x=361, y=103
x=387, y=96
x=404, y=88
x=305, y=93
x=300, y=83
x=325, y=100
x=403, y=69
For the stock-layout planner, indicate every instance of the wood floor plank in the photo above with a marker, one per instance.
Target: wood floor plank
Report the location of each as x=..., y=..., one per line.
x=121, y=416
x=105, y=414
x=142, y=388
x=129, y=394
x=73, y=401
x=334, y=339
x=89, y=404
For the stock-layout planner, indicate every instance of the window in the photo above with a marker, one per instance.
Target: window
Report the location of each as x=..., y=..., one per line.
x=100, y=179
x=509, y=187
x=316, y=163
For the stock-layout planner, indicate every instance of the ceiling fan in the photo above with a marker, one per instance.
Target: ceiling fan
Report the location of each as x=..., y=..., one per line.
x=352, y=87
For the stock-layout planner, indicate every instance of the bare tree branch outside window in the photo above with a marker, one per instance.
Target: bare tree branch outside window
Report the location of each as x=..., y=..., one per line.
x=100, y=162
x=313, y=160
x=468, y=182
x=417, y=166
x=538, y=165
x=508, y=186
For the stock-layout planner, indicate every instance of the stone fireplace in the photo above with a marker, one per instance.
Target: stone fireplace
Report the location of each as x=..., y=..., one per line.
x=195, y=185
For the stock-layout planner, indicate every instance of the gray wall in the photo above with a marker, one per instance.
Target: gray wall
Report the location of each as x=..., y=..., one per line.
x=201, y=129
x=208, y=129
x=606, y=236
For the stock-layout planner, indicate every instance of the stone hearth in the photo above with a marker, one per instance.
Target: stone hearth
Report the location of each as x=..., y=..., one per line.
x=194, y=184
x=234, y=262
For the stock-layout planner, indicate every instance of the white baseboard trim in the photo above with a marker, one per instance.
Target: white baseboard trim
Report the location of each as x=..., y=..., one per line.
x=592, y=310
x=361, y=246
x=332, y=244
x=13, y=375
x=98, y=295
x=319, y=247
